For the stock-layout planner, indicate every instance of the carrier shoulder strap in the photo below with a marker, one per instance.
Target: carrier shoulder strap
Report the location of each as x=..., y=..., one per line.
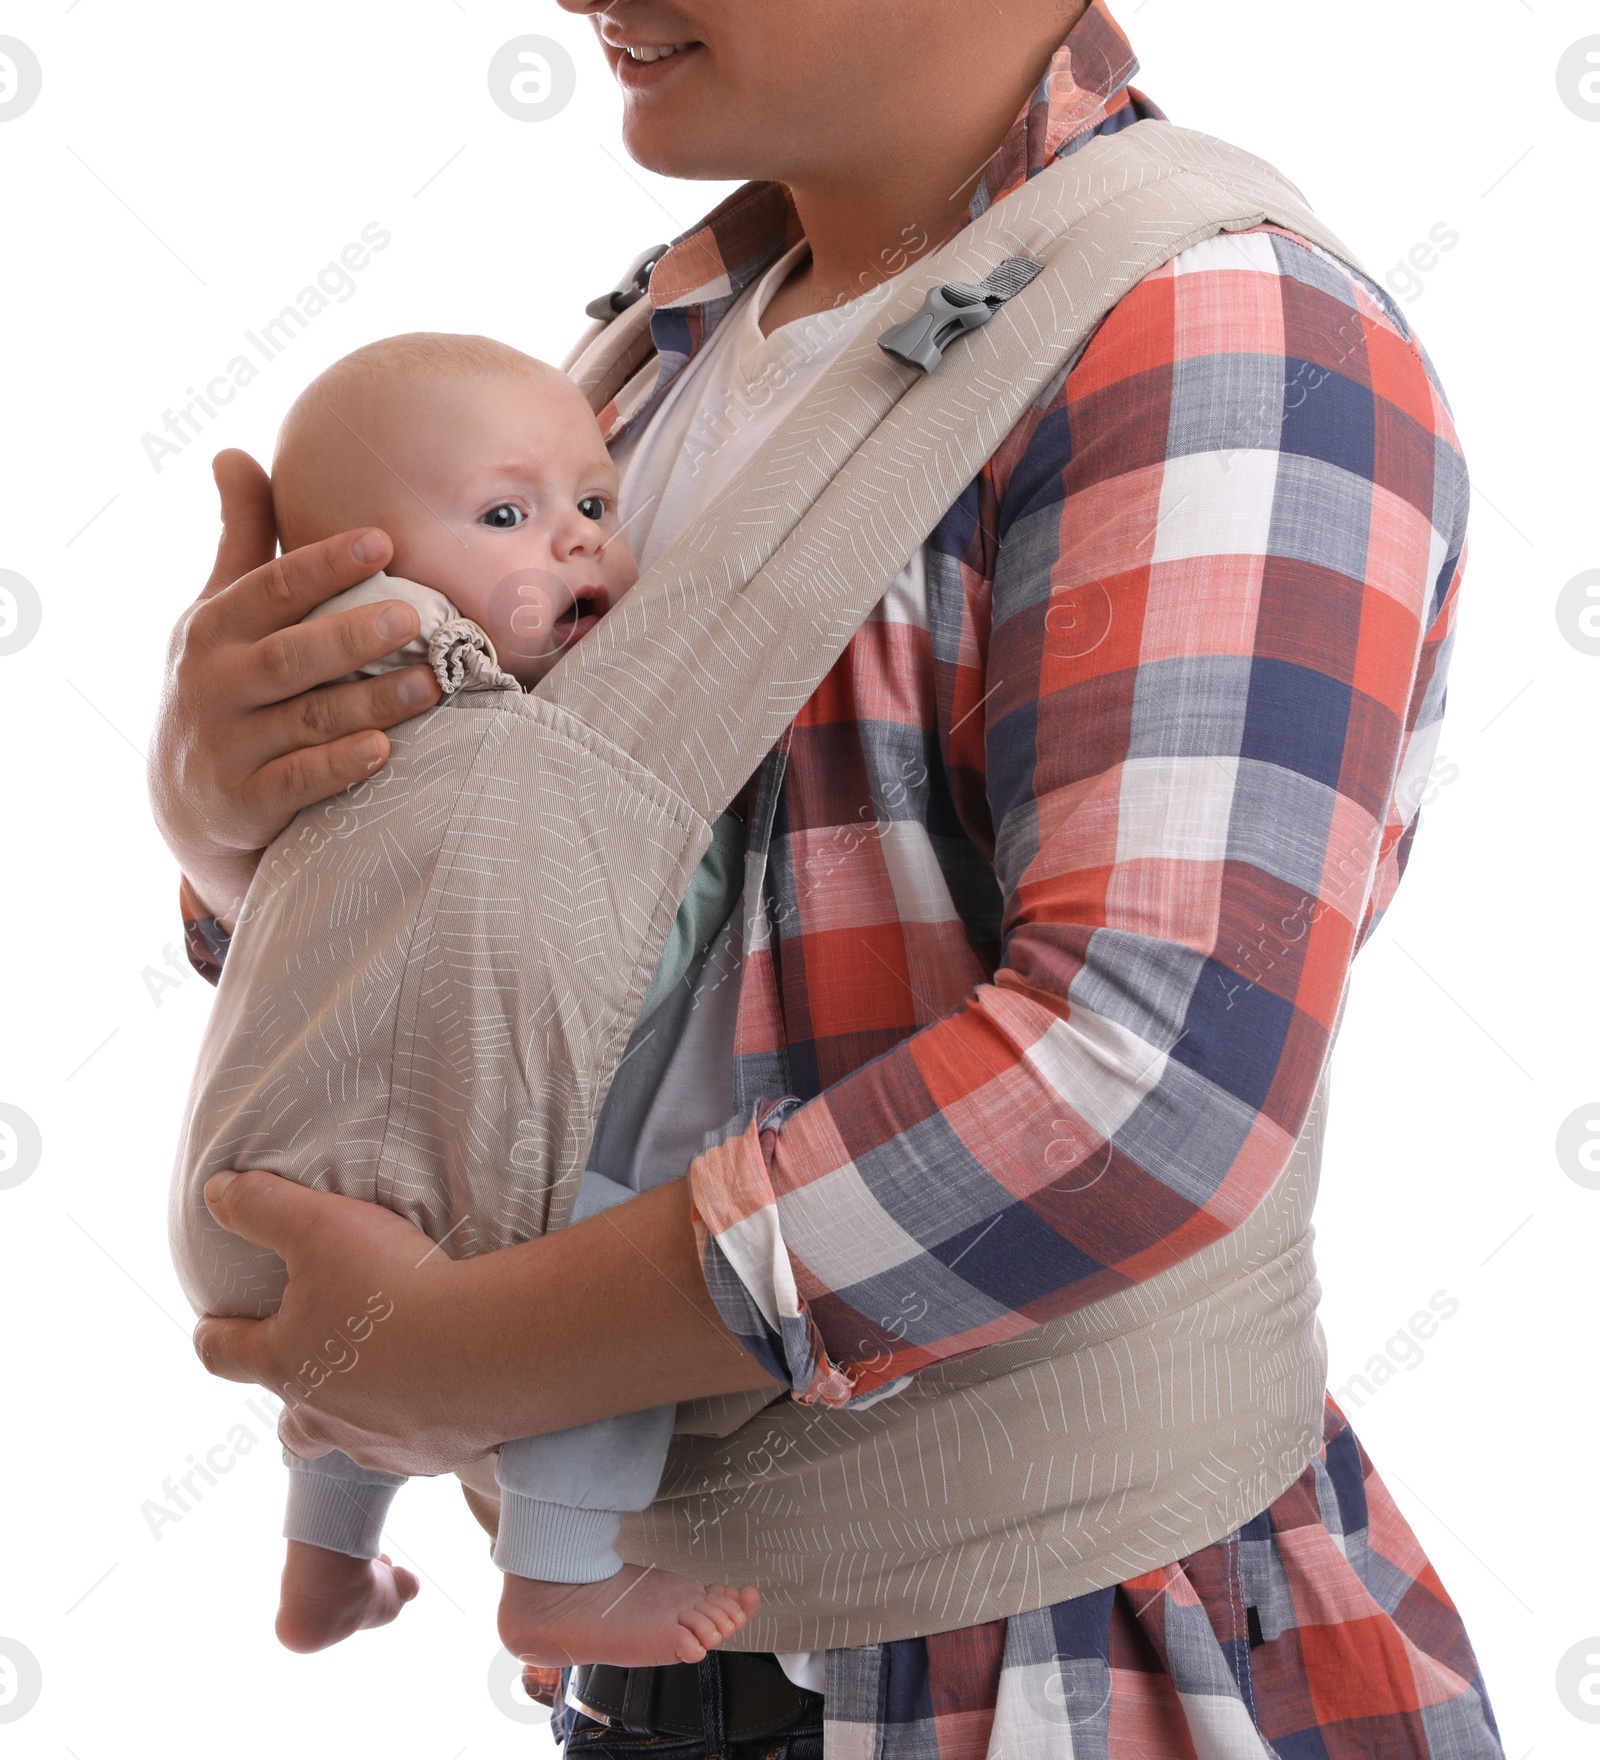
x=737, y=624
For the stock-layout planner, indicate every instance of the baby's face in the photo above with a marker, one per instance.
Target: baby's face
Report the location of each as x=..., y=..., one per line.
x=497, y=491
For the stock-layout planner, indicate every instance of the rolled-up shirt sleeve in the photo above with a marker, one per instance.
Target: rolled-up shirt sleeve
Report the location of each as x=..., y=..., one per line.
x=1214, y=614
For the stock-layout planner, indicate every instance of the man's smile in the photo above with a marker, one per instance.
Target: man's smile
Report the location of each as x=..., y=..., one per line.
x=632, y=48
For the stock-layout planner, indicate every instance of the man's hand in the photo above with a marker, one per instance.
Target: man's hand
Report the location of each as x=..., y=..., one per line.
x=245, y=738
x=411, y=1362
x=361, y=1348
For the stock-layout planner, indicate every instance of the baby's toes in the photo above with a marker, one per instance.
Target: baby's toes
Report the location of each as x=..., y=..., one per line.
x=728, y=1607
x=707, y=1617
x=687, y=1641
x=405, y=1582
x=709, y=1623
x=745, y=1602
x=541, y=1683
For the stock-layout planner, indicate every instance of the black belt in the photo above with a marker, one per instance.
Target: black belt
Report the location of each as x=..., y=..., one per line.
x=758, y=1698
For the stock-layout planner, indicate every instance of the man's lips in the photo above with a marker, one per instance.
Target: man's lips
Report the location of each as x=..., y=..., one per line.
x=636, y=75
x=629, y=33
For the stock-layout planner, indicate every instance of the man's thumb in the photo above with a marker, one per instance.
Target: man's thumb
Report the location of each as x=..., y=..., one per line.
x=249, y=531
x=259, y=1207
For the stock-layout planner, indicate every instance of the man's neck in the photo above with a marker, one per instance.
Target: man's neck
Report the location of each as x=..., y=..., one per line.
x=912, y=195
x=856, y=246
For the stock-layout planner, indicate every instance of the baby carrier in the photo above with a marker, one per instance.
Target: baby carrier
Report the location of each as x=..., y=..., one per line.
x=432, y=979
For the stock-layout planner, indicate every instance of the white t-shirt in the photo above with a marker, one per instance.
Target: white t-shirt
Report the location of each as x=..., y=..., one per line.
x=725, y=403
x=718, y=411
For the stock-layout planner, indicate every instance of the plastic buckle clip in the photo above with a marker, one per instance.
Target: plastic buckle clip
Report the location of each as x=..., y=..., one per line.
x=949, y=311
x=630, y=289
x=952, y=309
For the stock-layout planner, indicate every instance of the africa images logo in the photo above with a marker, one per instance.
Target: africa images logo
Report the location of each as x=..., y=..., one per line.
x=20, y=612
x=1578, y=78
x=20, y=1680
x=21, y=79
x=20, y=1146
x=1578, y=1680
x=532, y=78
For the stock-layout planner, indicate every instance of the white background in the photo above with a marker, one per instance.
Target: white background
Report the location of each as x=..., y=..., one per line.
x=186, y=171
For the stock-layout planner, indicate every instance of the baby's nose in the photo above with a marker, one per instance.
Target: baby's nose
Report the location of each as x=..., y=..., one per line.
x=576, y=536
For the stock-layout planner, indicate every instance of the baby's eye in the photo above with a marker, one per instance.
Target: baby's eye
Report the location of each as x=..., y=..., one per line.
x=592, y=507
x=504, y=518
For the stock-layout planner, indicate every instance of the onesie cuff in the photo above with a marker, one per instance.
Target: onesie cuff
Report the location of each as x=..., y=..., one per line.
x=555, y=1543
x=339, y=1515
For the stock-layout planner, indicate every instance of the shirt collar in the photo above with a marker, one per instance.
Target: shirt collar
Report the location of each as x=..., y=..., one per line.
x=1084, y=90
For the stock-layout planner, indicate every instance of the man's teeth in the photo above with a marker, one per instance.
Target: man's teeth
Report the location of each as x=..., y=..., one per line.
x=648, y=53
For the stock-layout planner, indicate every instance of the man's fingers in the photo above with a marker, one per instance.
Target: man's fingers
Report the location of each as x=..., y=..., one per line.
x=235, y=1350
x=302, y=656
x=264, y=1209
x=281, y=592
x=300, y=779
x=249, y=532
x=317, y=716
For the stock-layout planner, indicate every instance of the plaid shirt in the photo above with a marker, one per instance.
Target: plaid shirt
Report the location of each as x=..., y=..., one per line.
x=1061, y=872
x=1064, y=865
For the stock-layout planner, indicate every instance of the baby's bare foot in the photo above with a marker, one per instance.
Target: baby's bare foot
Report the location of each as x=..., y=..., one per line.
x=640, y=1618
x=328, y=1595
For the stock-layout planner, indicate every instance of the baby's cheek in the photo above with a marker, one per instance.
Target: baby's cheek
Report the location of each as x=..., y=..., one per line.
x=621, y=571
x=521, y=614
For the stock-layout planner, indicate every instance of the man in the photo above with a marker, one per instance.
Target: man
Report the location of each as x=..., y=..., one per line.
x=1134, y=742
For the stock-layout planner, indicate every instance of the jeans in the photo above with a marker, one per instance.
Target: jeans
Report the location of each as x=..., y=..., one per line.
x=801, y=1740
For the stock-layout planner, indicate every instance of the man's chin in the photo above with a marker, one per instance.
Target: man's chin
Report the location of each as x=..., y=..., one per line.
x=671, y=148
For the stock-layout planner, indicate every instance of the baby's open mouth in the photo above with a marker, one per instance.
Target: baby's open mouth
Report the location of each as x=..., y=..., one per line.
x=582, y=614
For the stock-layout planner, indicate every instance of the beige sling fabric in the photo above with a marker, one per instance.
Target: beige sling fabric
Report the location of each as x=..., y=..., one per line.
x=1120, y=1438
x=435, y=974
x=390, y=1024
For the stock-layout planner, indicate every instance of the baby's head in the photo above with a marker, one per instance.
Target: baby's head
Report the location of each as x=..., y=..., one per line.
x=487, y=470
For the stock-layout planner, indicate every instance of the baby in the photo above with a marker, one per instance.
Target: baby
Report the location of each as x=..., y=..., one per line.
x=488, y=471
